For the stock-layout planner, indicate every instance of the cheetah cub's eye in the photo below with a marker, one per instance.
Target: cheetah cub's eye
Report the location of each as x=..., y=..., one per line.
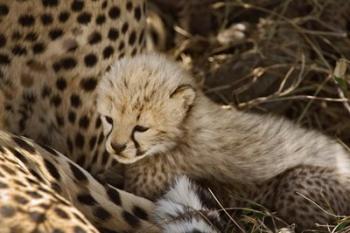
x=109, y=120
x=107, y=124
x=139, y=128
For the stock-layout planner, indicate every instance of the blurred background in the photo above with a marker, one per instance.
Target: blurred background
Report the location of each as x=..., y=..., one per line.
x=285, y=57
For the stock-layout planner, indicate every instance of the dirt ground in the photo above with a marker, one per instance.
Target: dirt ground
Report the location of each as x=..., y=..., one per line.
x=286, y=57
x=268, y=55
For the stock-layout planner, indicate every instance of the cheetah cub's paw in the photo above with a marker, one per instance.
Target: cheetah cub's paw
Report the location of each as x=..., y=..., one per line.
x=183, y=209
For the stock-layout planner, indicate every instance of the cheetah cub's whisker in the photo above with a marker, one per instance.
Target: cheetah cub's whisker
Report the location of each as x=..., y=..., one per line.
x=158, y=121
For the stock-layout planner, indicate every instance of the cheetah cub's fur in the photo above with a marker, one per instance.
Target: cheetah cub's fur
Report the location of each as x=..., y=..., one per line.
x=158, y=121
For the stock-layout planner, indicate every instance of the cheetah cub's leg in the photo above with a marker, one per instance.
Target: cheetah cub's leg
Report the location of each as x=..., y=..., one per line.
x=307, y=196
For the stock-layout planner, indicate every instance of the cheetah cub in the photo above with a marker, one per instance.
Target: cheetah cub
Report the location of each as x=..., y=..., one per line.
x=158, y=122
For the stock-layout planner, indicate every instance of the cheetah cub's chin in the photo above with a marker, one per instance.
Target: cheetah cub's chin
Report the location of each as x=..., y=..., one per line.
x=143, y=108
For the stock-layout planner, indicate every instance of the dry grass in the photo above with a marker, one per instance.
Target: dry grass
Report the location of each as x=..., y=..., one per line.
x=286, y=57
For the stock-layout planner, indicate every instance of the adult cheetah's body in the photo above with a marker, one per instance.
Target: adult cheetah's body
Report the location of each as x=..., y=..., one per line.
x=52, y=55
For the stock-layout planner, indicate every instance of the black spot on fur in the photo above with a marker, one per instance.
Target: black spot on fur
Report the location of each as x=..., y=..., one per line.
x=137, y=13
x=125, y=27
x=95, y=38
x=101, y=213
x=114, y=12
x=26, y=20
x=88, y=84
x=84, y=18
x=90, y=60
x=100, y=19
x=4, y=59
x=71, y=117
x=50, y=3
x=113, y=34
x=38, y=48
x=81, y=160
x=4, y=10
x=108, y=52
x=46, y=19
x=77, y=172
x=3, y=185
x=114, y=196
x=31, y=36
x=56, y=66
x=121, y=47
x=129, y=6
x=63, y=16
x=79, y=140
x=49, y=149
x=56, y=100
x=37, y=176
x=61, y=213
x=2, y=40
x=86, y=199
x=130, y=219
x=132, y=38
x=23, y=144
x=61, y=84
x=18, y=50
x=84, y=122
x=75, y=100
x=56, y=187
x=37, y=217
x=45, y=92
x=20, y=200
x=19, y=155
x=68, y=63
x=77, y=5
x=55, y=33
x=52, y=169
x=140, y=213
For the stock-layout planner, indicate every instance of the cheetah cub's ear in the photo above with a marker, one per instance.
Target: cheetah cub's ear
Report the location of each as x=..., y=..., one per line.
x=185, y=95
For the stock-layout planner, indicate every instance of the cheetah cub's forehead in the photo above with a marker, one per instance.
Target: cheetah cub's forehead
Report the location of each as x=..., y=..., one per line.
x=147, y=78
x=143, y=102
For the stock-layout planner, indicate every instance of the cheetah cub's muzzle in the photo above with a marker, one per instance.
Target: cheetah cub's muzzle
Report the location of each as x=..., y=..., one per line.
x=143, y=102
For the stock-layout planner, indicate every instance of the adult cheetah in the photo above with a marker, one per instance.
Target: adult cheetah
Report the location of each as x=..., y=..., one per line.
x=41, y=190
x=52, y=55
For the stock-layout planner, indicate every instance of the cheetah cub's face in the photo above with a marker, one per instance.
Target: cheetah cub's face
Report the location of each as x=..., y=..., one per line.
x=143, y=102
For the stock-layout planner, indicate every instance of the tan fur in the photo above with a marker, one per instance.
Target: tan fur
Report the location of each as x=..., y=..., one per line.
x=189, y=134
x=52, y=53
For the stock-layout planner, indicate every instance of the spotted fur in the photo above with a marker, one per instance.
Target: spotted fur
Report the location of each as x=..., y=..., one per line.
x=52, y=55
x=43, y=181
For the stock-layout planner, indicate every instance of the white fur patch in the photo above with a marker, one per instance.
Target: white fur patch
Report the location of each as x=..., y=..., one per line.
x=180, y=200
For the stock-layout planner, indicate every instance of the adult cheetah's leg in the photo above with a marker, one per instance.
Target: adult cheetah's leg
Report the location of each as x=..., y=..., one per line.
x=30, y=205
x=107, y=208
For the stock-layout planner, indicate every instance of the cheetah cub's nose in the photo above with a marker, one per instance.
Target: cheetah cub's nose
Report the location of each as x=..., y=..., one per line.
x=118, y=148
